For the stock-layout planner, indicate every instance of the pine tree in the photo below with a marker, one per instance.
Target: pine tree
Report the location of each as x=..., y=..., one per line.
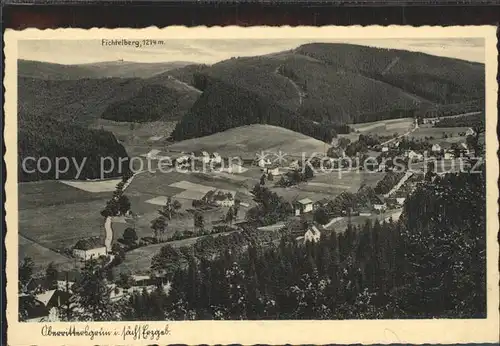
x=93, y=294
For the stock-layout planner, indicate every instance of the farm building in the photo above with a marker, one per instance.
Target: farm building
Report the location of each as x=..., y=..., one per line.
x=89, y=248
x=303, y=206
x=44, y=308
x=385, y=148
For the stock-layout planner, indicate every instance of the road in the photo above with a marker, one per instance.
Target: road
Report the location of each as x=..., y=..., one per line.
x=108, y=240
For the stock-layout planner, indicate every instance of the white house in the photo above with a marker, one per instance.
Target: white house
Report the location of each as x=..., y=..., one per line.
x=273, y=169
x=412, y=155
x=302, y=206
x=205, y=158
x=436, y=147
x=263, y=162
x=312, y=234
x=216, y=158
x=385, y=148
x=153, y=154
x=400, y=200
x=448, y=155
x=378, y=203
x=87, y=249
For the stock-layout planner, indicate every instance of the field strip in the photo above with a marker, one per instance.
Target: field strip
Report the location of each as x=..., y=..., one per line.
x=186, y=185
x=93, y=186
x=332, y=221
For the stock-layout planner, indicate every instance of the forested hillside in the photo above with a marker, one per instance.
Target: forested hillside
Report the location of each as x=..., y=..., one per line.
x=108, y=69
x=151, y=103
x=43, y=137
x=223, y=106
x=437, y=79
x=334, y=83
x=85, y=100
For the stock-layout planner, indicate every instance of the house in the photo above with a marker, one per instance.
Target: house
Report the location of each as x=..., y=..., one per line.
x=53, y=298
x=385, y=148
x=153, y=154
x=263, y=162
x=414, y=156
x=449, y=155
x=321, y=203
x=43, y=308
x=400, y=200
x=464, y=147
x=205, y=157
x=436, y=148
x=273, y=169
x=219, y=197
x=303, y=206
x=312, y=234
x=35, y=311
x=215, y=158
x=142, y=280
x=470, y=132
x=294, y=164
x=378, y=203
x=86, y=249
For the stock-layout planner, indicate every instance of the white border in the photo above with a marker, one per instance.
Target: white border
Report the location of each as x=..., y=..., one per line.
x=268, y=332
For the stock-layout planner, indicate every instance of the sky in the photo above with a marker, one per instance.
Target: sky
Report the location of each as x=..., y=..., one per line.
x=212, y=51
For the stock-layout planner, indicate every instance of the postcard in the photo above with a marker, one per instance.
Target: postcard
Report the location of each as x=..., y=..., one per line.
x=264, y=185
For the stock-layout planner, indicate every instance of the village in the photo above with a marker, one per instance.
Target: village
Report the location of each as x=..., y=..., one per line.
x=312, y=215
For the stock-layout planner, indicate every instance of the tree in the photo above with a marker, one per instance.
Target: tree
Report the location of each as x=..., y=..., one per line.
x=93, y=295
x=26, y=271
x=263, y=180
x=170, y=208
x=308, y=173
x=167, y=261
x=123, y=205
x=344, y=142
x=270, y=176
x=51, y=276
x=229, y=216
x=130, y=236
x=321, y=216
x=159, y=226
x=199, y=220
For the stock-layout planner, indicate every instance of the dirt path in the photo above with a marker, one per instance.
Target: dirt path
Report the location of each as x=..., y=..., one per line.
x=188, y=86
x=399, y=184
x=108, y=240
x=297, y=88
x=415, y=126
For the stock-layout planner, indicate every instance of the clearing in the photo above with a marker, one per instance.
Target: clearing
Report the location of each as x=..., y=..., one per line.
x=108, y=185
x=249, y=140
